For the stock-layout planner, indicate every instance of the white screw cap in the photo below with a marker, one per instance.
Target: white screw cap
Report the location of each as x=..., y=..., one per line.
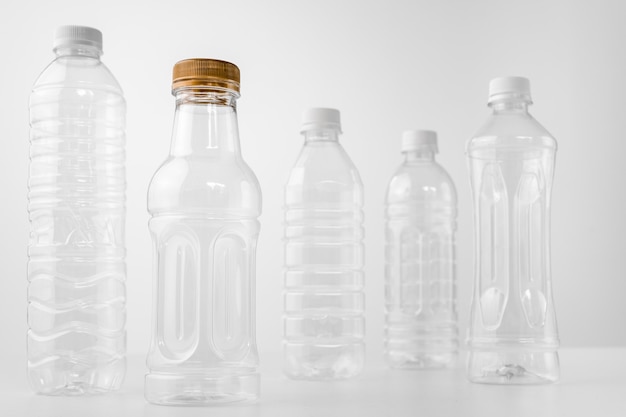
x=321, y=118
x=77, y=35
x=509, y=86
x=413, y=140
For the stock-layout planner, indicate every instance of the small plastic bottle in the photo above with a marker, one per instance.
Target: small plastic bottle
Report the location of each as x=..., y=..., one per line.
x=513, y=333
x=76, y=205
x=420, y=286
x=324, y=303
x=204, y=203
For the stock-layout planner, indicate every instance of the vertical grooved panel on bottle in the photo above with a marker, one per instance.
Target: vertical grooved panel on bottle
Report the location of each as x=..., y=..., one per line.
x=192, y=334
x=494, y=246
x=231, y=284
x=178, y=277
x=531, y=240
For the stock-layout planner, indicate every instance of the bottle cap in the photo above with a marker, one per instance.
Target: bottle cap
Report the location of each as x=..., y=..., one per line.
x=72, y=35
x=413, y=140
x=518, y=87
x=205, y=73
x=321, y=118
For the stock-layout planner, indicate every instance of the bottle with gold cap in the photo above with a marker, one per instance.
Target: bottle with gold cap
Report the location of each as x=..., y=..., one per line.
x=204, y=203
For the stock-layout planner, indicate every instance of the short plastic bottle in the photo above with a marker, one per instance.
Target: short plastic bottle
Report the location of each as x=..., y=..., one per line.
x=324, y=323
x=513, y=336
x=204, y=203
x=76, y=205
x=421, y=329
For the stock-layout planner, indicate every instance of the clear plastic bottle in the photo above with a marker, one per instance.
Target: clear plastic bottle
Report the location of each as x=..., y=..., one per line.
x=420, y=287
x=204, y=203
x=76, y=204
x=324, y=303
x=513, y=333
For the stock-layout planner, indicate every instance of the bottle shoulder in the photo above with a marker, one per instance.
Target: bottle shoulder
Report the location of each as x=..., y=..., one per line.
x=421, y=182
x=324, y=177
x=511, y=131
x=77, y=72
x=210, y=185
x=324, y=162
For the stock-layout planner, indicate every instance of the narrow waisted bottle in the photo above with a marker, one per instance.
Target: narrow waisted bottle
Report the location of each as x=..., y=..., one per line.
x=324, y=322
x=513, y=333
x=204, y=203
x=76, y=205
x=421, y=329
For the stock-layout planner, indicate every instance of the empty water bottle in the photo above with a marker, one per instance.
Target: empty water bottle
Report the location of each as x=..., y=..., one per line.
x=513, y=334
x=76, y=202
x=420, y=289
x=324, y=322
x=204, y=203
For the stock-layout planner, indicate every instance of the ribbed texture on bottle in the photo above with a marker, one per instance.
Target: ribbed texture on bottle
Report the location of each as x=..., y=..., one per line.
x=76, y=266
x=324, y=322
x=421, y=329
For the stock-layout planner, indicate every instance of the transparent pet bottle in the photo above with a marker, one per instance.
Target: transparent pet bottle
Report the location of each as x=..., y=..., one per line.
x=324, y=303
x=513, y=333
x=204, y=203
x=76, y=205
x=420, y=289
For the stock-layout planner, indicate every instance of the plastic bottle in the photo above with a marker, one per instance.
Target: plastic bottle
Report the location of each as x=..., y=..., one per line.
x=324, y=303
x=420, y=286
x=204, y=203
x=76, y=204
x=513, y=334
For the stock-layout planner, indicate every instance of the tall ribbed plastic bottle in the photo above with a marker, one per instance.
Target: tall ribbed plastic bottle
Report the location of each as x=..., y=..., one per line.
x=513, y=333
x=204, y=203
x=420, y=287
x=76, y=204
x=324, y=324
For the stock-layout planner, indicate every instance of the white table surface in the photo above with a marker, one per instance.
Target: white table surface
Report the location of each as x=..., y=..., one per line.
x=593, y=383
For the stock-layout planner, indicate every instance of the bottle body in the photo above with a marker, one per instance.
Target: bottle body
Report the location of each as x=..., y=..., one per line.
x=76, y=204
x=420, y=287
x=513, y=334
x=324, y=323
x=204, y=203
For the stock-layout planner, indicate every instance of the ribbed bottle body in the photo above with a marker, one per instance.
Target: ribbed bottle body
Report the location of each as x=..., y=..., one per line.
x=513, y=334
x=324, y=302
x=421, y=323
x=76, y=205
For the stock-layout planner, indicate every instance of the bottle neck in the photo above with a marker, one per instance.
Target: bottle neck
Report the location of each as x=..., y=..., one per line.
x=78, y=50
x=205, y=123
x=510, y=106
x=419, y=155
x=321, y=135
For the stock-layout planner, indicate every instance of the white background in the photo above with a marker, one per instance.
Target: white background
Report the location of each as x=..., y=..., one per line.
x=388, y=66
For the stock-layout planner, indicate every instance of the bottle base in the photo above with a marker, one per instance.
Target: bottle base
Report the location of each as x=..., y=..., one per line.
x=323, y=362
x=70, y=377
x=520, y=367
x=201, y=390
x=420, y=360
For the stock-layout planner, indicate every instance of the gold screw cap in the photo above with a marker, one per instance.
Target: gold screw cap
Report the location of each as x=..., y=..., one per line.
x=205, y=73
